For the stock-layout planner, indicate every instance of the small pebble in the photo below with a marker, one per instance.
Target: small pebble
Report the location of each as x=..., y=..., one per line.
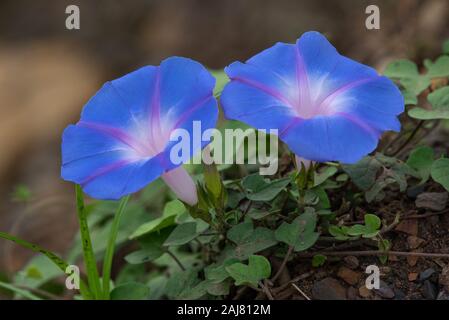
x=385, y=291
x=426, y=274
x=351, y=262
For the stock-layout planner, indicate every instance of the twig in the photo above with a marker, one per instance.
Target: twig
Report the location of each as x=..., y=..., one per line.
x=425, y=215
x=300, y=291
x=176, y=260
x=284, y=263
x=392, y=225
x=266, y=290
x=376, y=253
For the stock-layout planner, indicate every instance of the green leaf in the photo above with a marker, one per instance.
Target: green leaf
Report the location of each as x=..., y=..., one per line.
x=372, y=222
x=374, y=192
x=440, y=172
x=219, y=289
x=408, y=75
x=421, y=160
x=318, y=260
x=258, y=268
x=259, y=214
x=171, y=210
x=364, y=172
x=409, y=97
x=261, y=190
x=181, y=282
x=217, y=272
x=369, y=230
x=248, y=240
x=439, y=68
x=182, y=234
x=300, y=233
x=324, y=174
x=241, y=231
x=439, y=100
x=151, y=247
x=401, y=69
x=356, y=230
x=130, y=291
x=338, y=233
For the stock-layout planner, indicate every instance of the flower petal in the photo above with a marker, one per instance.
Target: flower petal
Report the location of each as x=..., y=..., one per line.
x=182, y=185
x=331, y=138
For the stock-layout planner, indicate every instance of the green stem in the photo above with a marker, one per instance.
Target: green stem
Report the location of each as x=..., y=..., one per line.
x=88, y=252
x=61, y=264
x=109, y=254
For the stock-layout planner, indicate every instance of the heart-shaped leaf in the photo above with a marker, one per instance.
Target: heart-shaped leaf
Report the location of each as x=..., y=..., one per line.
x=421, y=160
x=439, y=100
x=258, y=268
x=440, y=172
x=300, y=233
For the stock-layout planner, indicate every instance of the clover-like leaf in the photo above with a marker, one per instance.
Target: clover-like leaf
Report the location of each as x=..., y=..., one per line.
x=372, y=222
x=440, y=172
x=408, y=75
x=439, y=100
x=369, y=230
x=300, y=233
x=364, y=172
x=421, y=160
x=248, y=240
x=258, y=268
x=217, y=272
x=439, y=68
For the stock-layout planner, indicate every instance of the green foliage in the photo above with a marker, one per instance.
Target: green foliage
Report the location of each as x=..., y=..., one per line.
x=370, y=229
x=130, y=291
x=375, y=173
x=421, y=160
x=171, y=210
x=247, y=240
x=300, y=234
x=440, y=172
x=439, y=102
x=177, y=251
x=258, y=268
x=262, y=190
x=318, y=260
x=384, y=245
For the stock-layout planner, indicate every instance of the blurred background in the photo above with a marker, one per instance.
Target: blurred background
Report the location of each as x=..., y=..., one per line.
x=47, y=73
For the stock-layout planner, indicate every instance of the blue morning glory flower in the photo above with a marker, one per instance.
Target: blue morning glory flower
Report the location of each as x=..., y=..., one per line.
x=326, y=107
x=122, y=141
